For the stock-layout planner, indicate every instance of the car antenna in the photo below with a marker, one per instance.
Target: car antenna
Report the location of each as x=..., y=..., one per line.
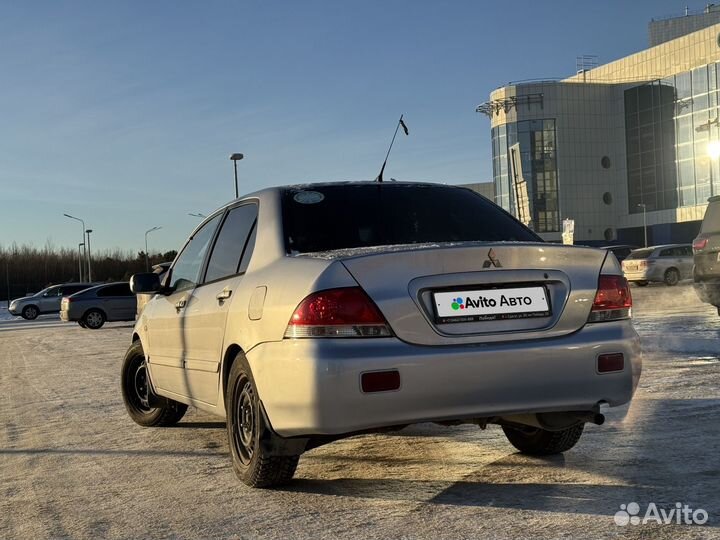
x=407, y=132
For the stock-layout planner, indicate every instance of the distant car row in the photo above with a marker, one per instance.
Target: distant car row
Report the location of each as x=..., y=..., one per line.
x=88, y=304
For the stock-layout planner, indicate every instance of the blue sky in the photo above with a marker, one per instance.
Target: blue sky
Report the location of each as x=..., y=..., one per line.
x=125, y=113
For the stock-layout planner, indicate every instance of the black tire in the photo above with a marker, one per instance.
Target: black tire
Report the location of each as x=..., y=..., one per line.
x=540, y=442
x=137, y=392
x=30, y=313
x=81, y=323
x=253, y=464
x=672, y=277
x=93, y=319
x=642, y=283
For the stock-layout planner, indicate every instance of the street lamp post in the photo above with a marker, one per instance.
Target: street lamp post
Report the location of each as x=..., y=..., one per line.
x=235, y=158
x=644, y=208
x=89, y=257
x=81, y=246
x=713, y=150
x=82, y=233
x=147, y=260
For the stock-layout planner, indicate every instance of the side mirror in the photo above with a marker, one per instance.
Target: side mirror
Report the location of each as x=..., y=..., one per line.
x=145, y=283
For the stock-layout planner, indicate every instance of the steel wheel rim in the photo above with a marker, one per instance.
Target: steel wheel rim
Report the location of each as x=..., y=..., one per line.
x=137, y=385
x=93, y=319
x=244, y=420
x=141, y=386
x=673, y=277
x=31, y=312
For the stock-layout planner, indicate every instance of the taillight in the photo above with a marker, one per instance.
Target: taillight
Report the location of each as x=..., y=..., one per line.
x=612, y=300
x=346, y=312
x=699, y=243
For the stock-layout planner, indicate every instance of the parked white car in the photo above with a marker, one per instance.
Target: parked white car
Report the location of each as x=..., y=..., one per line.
x=668, y=264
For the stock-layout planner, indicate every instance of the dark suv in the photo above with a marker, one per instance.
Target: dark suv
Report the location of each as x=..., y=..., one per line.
x=706, y=250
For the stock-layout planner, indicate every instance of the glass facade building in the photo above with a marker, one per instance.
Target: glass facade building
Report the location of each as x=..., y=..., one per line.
x=624, y=148
x=669, y=124
x=539, y=165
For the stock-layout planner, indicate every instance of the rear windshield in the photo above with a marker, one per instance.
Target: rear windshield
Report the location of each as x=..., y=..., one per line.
x=711, y=221
x=323, y=218
x=640, y=254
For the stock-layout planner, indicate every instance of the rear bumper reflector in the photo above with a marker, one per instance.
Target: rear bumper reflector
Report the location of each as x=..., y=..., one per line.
x=607, y=363
x=380, y=381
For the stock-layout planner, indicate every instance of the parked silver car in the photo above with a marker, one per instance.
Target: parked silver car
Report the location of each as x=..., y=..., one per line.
x=305, y=314
x=92, y=307
x=669, y=264
x=45, y=301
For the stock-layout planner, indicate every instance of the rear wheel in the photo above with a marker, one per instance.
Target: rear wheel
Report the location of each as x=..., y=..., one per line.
x=94, y=319
x=540, y=442
x=672, y=276
x=81, y=323
x=138, y=394
x=30, y=312
x=642, y=283
x=252, y=462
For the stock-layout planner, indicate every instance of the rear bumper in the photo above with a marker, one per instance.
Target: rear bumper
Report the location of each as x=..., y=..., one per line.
x=708, y=291
x=650, y=274
x=312, y=387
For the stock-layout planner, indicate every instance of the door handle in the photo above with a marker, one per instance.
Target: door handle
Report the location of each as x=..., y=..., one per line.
x=224, y=294
x=180, y=304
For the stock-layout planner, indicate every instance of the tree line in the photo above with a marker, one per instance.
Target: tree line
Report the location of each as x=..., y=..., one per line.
x=27, y=269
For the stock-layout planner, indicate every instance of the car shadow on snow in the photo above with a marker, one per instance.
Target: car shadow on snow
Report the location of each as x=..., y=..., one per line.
x=664, y=451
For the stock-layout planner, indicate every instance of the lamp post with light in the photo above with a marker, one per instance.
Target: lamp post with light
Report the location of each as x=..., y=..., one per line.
x=713, y=151
x=89, y=257
x=82, y=223
x=235, y=158
x=147, y=260
x=81, y=247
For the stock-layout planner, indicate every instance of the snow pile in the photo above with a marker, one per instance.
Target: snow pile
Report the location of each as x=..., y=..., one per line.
x=4, y=314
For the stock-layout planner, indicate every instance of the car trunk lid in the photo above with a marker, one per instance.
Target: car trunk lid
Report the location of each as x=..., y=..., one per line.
x=415, y=287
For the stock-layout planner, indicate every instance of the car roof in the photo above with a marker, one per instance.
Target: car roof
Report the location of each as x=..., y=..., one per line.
x=102, y=286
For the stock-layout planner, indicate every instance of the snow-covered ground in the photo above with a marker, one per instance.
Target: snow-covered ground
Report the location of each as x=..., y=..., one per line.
x=74, y=466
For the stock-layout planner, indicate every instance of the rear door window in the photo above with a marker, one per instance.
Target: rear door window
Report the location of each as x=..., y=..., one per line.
x=327, y=217
x=232, y=242
x=119, y=289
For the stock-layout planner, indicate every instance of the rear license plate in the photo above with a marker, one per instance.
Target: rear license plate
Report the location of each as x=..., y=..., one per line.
x=491, y=304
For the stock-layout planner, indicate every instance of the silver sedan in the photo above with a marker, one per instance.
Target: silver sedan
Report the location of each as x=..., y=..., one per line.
x=304, y=314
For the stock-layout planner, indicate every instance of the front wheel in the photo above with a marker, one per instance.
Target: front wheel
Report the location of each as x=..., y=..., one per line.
x=672, y=277
x=30, y=313
x=541, y=442
x=252, y=462
x=142, y=405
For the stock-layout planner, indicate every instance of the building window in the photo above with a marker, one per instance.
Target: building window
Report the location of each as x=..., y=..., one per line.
x=539, y=164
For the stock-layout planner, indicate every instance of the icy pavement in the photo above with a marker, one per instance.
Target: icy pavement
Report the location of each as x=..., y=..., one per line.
x=74, y=466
